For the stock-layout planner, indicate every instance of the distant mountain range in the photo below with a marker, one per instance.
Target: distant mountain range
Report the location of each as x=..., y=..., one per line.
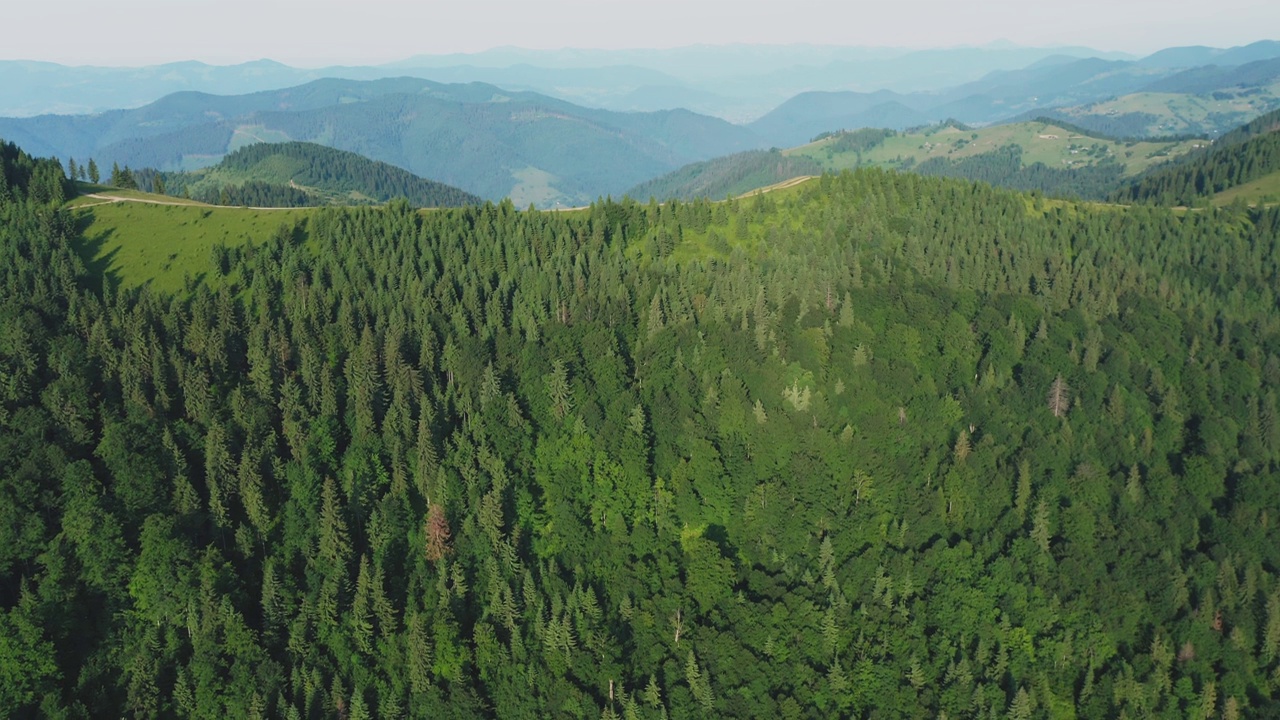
x=1056, y=82
x=487, y=141
x=735, y=82
x=495, y=140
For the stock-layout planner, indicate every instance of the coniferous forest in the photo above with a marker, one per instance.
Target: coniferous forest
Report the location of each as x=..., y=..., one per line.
x=1004, y=167
x=1248, y=153
x=881, y=446
x=296, y=174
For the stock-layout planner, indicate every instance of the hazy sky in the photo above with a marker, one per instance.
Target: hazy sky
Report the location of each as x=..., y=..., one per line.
x=318, y=32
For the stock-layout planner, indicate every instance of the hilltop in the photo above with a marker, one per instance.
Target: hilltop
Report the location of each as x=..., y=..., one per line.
x=298, y=174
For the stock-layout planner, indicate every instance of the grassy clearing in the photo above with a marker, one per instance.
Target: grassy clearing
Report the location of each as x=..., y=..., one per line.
x=784, y=185
x=108, y=194
x=1263, y=191
x=537, y=187
x=1177, y=113
x=719, y=241
x=162, y=245
x=250, y=134
x=1046, y=143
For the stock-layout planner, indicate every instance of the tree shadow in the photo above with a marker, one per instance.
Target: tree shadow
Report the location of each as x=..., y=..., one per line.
x=100, y=266
x=719, y=535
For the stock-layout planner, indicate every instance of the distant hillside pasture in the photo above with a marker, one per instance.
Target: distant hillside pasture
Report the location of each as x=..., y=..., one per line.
x=728, y=176
x=1245, y=155
x=1166, y=113
x=1052, y=145
x=1032, y=156
x=1262, y=191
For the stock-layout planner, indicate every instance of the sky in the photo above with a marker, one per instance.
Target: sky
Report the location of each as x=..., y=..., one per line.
x=314, y=33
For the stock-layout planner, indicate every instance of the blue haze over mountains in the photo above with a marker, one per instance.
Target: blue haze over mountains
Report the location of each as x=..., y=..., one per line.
x=737, y=82
x=565, y=127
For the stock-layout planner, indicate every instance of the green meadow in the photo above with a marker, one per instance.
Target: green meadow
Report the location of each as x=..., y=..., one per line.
x=162, y=246
x=1263, y=191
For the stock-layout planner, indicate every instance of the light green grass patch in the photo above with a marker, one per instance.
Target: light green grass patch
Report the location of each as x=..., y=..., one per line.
x=1177, y=113
x=106, y=195
x=1263, y=191
x=537, y=187
x=250, y=134
x=162, y=245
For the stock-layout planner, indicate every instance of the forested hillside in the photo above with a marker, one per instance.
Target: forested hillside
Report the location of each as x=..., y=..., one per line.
x=1040, y=155
x=1241, y=156
x=882, y=445
x=492, y=142
x=728, y=176
x=24, y=178
x=299, y=174
x=1005, y=168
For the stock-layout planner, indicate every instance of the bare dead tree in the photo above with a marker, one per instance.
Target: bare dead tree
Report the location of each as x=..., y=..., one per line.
x=1059, y=399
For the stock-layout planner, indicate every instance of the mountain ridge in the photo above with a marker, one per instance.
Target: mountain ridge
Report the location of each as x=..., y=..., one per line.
x=475, y=136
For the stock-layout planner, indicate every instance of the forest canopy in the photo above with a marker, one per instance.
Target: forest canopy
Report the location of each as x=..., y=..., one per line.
x=881, y=445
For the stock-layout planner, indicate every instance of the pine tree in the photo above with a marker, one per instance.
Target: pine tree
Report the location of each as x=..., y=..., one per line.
x=656, y=321
x=249, y=477
x=1022, y=497
x=427, y=463
x=335, y=541
x=652, y=694
x=1040, y=531
x=558, y=391
x=1209, y=700
x=218, y=472
x=362, y=609
x=1271, y=633
x=94, y=176
x=1021, y=707
x=698, y=685
x=1133, y=487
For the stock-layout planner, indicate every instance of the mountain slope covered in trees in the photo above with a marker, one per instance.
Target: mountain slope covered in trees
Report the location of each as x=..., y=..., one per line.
x=1242, y=156
x=881, y=445
x=484, y=140
x=1043, y=155
x=322, y=174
